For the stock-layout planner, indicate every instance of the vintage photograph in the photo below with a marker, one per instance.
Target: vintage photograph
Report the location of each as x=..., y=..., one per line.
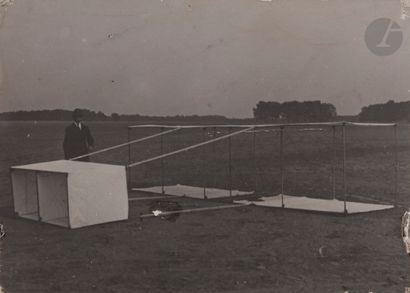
x=205, y=146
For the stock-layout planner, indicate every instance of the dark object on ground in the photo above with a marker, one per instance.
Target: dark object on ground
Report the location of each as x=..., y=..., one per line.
x=166, y=206
x=2, y=233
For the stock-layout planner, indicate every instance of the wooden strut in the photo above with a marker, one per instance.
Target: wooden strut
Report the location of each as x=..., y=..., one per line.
x=396, y=167
x=344, y=169
x=255, y=166
x=162, y=161
x=194, y=210
x=204, y=160
x=214, y=181
x=282, y=174
x=334, y=162
x=230, y=161
x=129, y=175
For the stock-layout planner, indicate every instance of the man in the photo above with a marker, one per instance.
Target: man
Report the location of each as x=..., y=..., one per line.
x=77, y=140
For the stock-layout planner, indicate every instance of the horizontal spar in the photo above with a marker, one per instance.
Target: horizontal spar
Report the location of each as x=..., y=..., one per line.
x=236, y=125
x=166, y=213
x=370, y=124
x=339, y=123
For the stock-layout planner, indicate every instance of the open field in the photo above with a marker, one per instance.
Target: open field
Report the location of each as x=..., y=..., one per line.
x=248, y=249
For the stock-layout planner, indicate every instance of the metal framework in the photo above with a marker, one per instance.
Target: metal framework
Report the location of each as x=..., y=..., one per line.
x=167, y=129
x=281, y=128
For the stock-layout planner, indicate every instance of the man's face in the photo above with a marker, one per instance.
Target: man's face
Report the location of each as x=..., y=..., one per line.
x=78, y=119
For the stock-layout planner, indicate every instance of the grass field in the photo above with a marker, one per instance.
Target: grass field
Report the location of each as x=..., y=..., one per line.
x=242, y=250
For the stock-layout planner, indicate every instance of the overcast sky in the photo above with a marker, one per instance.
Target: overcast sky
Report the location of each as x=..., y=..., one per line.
x=201, y=57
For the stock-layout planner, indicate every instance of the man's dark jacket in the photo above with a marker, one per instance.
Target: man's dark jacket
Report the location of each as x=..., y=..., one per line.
x=77, y=141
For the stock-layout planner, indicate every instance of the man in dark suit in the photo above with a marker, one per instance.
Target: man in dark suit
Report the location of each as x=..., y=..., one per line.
x=77, y=140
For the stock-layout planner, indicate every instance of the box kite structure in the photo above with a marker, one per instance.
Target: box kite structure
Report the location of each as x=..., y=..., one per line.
x=71, y=194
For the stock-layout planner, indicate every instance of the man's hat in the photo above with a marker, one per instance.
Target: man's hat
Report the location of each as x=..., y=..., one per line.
x=77, y=113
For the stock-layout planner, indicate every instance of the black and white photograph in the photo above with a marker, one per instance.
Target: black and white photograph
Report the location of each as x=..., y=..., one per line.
x=205, y=146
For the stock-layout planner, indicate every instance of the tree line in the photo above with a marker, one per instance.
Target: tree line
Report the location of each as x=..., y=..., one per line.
x=270, y=111
x=307, y=111
x=387, y=112
x=89, y=115
x=316, y=111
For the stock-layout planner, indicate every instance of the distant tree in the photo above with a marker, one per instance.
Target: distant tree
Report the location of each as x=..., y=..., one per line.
x=100, y=116
x=115, y=117
x=388, y=112
x=267, y=110
x=51, y=115
x=89, y=115
x=294, y=111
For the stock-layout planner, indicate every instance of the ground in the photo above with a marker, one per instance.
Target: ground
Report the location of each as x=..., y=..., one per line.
x=249, y=249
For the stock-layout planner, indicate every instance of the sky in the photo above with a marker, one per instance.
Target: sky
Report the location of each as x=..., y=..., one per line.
x=204, y=57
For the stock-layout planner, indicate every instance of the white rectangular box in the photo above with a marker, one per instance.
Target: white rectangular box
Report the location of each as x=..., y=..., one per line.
x=70, y=193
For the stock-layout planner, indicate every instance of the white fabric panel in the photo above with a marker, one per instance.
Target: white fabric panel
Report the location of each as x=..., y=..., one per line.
x=316, y=204
x=25, y=193
x=97, y=195
x=193, y=191
x=52, y=190
x=63, y=166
